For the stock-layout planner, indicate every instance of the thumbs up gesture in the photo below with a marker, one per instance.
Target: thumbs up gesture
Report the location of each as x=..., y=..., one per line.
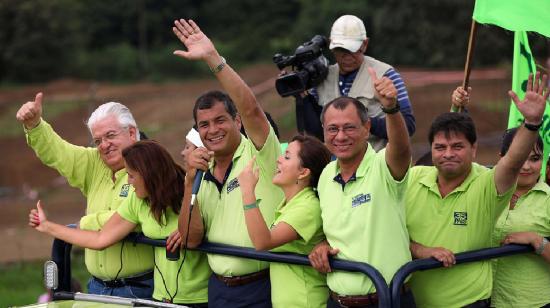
x=384, y=90
x=30, y=113
x=37, y=218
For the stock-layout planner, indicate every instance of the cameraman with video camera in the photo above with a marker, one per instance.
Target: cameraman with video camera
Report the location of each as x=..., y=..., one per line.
x=350, y=77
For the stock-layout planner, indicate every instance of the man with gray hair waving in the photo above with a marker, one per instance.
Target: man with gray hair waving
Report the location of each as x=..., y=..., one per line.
x=99, y=173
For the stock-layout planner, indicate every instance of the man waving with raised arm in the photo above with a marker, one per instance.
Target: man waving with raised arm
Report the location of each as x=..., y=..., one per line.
x=236, y=282
x=452, y=207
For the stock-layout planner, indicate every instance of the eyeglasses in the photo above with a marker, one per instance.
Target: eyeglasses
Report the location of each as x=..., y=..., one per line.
x=348, y=129
x=108, y=137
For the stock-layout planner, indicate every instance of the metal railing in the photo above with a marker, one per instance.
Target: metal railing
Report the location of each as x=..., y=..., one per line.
x=461, y=258
x=389, y=296
x=62, y=257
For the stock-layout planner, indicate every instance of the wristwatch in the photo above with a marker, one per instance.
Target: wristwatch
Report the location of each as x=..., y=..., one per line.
x=393, y=110
x=219, y=67
x=533, y=127
x=540, y=249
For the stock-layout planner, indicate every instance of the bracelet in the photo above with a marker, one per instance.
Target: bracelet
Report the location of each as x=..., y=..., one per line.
x=540, y=249
x=394, y=109
x=250, y=206
x=219, y=67
x=533, y=127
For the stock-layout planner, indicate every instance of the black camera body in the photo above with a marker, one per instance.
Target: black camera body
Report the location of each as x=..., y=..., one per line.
x=311, y=67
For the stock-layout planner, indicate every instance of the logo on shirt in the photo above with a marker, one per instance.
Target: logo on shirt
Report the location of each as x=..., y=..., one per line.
x=461, y=218
x=234, y=183
x=124, y=190
x=360, y=199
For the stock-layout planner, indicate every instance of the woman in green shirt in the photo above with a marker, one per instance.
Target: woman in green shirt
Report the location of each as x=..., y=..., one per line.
x=524, y=280
x=297, y=227
x=158, y=185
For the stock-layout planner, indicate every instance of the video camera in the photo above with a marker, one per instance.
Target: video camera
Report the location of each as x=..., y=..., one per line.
x=311, y=67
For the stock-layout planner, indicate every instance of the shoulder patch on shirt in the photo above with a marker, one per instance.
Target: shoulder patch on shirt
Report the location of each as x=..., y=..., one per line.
x=360, y=199
x=461, y=218
x=124, y=190
x=234, y=183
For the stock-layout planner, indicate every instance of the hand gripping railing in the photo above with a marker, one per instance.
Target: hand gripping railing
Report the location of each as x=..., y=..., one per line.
x=378, y=280
x=463, y=257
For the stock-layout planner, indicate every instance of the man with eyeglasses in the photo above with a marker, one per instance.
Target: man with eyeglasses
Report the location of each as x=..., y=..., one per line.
x=99, y=173
x=350, y=77
x=362, y=198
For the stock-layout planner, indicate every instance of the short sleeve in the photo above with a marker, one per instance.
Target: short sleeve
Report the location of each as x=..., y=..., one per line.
x=304, y=218
x=129, y=210
x=395, y=187
x=266, y=157
x=490, y=191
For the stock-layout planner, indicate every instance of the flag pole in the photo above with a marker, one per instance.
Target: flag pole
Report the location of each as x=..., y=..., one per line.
x=469, y=55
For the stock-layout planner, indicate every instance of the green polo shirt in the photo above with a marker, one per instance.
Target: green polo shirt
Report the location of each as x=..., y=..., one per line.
x=222, y=208
x=296, y=285
x=365, y=219
x=462, y=221
x=84, y=169
x=523, y=280
x=192, y=281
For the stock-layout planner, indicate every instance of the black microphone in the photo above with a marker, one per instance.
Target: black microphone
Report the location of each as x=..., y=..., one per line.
x=196, y=186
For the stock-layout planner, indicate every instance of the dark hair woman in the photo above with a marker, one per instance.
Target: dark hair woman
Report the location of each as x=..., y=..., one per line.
x=524, y=280
x=154, y=206
x=297, y=227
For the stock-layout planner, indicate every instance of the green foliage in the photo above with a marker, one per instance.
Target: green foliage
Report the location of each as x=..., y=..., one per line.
x=132, y=39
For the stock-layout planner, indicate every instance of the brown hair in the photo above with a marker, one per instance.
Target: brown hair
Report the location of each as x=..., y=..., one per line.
x=163, y=178
x=314, y=155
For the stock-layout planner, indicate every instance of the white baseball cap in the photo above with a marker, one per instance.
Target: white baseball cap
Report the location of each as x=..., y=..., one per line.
x=347, y=32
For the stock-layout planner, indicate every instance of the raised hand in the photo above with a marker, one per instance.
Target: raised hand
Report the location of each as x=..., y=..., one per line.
x=460, y=97
x=199, y=46
x=37, y=218
x=533, y=104
x=384, y=89
x=249, y=177
x=30, y=113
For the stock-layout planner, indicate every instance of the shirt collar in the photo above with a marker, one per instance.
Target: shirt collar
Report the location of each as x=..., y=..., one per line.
x=430, y=180
x=541, y=186
x=361, y=170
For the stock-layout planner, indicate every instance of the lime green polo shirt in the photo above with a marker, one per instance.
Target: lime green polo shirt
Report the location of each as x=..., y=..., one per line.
x=365, y=219
x=523, y=280
x=222, y=209
x=462, y=221
x=192, y=281
x=84, y=169
x=296, y=285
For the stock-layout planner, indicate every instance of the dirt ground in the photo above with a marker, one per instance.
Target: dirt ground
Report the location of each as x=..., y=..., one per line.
x=163, y=111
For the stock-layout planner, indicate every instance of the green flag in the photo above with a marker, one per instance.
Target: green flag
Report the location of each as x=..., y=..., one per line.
x=515, y=15
x=524, y=65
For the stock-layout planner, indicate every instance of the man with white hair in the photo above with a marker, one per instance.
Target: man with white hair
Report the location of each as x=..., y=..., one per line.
x=99, y=173
x=350, y=77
